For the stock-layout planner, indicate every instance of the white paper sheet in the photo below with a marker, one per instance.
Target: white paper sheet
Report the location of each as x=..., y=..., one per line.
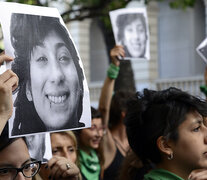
x=52, y=104
x=130, y=28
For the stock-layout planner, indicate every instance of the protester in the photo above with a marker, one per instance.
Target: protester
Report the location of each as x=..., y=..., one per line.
x=167, y=128
x=64, y=148
x=8, y=83
x=90, y=148
x=50, y=90
x=15, y=162
x=113, y=112
x=64, y=144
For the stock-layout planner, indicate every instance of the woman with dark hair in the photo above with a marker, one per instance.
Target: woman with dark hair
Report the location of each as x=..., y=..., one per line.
x=166, y=128
x=50, y=92
x=132, y=34
x=90, y=149
x=16, y=163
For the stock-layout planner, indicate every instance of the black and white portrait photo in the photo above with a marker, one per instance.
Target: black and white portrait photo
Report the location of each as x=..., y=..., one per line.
x=202, y=50
x=39, y=147
x=52, y=86
x=130, y=29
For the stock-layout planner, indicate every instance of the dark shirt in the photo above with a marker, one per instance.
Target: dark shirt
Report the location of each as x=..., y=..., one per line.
x=112, y=172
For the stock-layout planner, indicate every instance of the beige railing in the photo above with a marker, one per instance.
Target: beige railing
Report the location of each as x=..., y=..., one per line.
x=189, y=84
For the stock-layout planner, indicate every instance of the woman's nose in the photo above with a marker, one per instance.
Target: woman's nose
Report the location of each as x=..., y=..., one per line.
x=136, y=35
x=56, y=74
x=66, y=154
x=99, y=133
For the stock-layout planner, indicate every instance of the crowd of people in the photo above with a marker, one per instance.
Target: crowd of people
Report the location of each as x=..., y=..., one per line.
x=149, y=135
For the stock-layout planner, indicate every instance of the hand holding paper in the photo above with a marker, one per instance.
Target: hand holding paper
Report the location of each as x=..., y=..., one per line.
x=8, y=83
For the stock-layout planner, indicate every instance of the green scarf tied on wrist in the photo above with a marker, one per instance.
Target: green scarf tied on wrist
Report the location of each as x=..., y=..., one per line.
x=203, y=89
x=89, y=165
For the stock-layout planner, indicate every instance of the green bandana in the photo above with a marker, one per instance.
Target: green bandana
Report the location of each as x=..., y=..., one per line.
x=161, y=174
x=203, y=89
x=89, y=165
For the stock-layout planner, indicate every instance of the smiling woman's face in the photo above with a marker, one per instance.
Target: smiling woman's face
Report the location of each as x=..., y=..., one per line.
x=135, y=38
x=54, y=86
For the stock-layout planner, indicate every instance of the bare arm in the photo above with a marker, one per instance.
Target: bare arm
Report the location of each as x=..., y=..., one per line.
x=104, y=106
x=108, y=87
x=8, y=83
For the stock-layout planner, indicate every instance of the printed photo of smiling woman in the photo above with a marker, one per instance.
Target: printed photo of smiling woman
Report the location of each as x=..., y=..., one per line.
x=130, y=27
x=50, y=92
x=132, y=34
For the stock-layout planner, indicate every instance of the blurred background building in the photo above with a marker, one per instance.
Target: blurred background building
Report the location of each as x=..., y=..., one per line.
x=174, y=36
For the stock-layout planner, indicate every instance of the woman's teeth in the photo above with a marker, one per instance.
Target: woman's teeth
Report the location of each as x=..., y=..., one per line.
x=57, y=99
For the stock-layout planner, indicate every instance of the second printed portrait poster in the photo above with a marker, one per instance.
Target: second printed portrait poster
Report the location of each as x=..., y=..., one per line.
x=130, y=27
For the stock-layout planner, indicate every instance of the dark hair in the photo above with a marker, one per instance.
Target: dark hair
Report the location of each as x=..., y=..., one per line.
x=28, y=31
x=95, y=113
x=118, y=105
x=158, y=113
x=124, y=19
x=132, y=167
x=4, y=138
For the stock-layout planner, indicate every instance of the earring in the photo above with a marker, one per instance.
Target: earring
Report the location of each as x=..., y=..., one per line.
x=170, y=157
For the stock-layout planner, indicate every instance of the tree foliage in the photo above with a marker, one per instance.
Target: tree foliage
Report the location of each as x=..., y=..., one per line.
x=81, y=9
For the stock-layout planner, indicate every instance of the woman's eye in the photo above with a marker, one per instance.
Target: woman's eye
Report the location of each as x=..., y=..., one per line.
x=54, y=151
x=4, y=172
x=64, y=59
x=197, y=129
x=140, y=29
x=129, y=29
x=28, y=166
x=42, y=59
x=93, y=127
x=71, y=149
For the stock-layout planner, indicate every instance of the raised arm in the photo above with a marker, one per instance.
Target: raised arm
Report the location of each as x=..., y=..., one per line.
x=108, y=87
x=8, y=83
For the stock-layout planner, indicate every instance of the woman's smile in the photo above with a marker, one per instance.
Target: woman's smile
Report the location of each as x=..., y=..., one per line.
x=57, y=99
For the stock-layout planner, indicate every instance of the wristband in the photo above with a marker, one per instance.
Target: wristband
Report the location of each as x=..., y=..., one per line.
x=113, y=71
x=203, y=89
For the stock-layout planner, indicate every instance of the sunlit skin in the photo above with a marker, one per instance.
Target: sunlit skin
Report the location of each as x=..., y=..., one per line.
x=135, y=38
x=54, y=86
x=190, y=151
x=63, y=145
x=15, y=155
x=90, y=137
